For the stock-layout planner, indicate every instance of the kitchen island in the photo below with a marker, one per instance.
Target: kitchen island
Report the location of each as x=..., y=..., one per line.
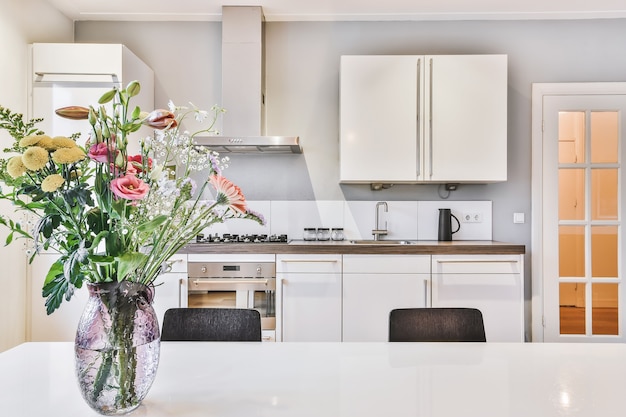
x=339, y=379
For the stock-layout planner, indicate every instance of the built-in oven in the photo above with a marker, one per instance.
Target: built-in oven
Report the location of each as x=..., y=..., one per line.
x=235, y=284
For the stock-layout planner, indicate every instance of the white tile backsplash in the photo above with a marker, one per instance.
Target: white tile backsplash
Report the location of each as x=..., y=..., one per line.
x=428, y=219
x=406, y=220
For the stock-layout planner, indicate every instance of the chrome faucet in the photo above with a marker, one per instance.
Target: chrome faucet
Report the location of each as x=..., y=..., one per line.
x=378, y=232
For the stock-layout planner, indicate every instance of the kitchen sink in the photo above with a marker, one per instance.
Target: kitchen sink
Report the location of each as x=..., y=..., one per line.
x=382, y=242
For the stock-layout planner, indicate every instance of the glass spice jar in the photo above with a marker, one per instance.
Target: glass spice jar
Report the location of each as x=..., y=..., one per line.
x=323, y=233
x=310, y=233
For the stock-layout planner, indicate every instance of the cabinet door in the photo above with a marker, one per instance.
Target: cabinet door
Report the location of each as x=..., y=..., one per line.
x=170, y=292
x=369, y=298
x=308, y=298
x=379, y=107
x=466, y=104
x=493, y=284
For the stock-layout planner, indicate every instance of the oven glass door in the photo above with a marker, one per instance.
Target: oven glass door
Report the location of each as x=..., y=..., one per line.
x=207, y=293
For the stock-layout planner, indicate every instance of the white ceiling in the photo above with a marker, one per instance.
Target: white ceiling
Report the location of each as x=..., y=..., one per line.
x=294, y=10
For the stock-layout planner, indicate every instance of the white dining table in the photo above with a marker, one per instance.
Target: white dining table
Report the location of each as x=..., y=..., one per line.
x=339, y=380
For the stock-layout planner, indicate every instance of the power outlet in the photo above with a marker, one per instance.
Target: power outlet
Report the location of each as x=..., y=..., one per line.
x=472, y=217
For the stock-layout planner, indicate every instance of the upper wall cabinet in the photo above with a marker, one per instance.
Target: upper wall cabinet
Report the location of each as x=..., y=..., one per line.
x=421, y=119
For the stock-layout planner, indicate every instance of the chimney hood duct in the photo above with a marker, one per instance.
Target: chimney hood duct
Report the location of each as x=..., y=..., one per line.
x=243, y=88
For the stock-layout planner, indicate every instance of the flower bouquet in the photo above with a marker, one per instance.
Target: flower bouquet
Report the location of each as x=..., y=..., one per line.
x=115, y=219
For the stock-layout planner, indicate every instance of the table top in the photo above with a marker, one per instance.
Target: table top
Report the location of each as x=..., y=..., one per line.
x=339, y=380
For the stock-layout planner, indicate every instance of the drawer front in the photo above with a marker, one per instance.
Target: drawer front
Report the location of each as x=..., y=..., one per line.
x=177, y=263
x=308, y=263
x=477, y=264
x=386, y=264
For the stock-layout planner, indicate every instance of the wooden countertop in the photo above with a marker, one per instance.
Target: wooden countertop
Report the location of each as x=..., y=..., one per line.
x=413, y=247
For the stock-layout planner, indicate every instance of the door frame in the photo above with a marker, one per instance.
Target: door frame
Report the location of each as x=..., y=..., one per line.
x=539, y=90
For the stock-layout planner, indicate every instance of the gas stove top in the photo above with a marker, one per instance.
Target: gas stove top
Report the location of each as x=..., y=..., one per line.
x=232, y=238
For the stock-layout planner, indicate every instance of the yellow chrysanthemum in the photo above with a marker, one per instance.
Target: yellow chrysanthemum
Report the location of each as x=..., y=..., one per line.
x=15, y=167
x=45, y=142
x=59, y=142
x=33, y=140
x=35, y=158
x=52, y=183
x=68, y=155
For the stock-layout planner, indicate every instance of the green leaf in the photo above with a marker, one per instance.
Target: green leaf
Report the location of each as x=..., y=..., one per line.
x=55, y=270
x=108, y=96
x=136, y=113
x=101, y=260
x=152, y=225
x=128, y=263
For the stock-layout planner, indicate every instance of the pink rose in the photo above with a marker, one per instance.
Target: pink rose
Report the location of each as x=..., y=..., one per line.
x=129, y=187
x=101, y=153
x=136, y=162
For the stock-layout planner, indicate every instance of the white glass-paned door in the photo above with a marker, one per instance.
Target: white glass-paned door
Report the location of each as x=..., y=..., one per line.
x=583, y=210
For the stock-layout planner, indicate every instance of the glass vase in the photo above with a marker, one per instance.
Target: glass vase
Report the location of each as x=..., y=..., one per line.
x=117, y=346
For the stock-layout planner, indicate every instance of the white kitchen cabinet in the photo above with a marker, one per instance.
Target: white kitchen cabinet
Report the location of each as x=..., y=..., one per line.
x=171, y=287
x=308, y=295
x=491, y=283
x=373, y=285
x=77, y=74
x=414, y=119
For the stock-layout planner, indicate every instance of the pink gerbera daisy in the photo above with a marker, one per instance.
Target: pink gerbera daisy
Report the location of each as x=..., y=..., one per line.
x=228, y=193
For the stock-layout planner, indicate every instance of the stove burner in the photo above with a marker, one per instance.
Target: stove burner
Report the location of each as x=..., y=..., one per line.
x=232, y=238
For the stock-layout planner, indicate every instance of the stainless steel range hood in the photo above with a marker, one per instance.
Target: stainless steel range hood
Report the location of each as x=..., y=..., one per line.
x=243, y=88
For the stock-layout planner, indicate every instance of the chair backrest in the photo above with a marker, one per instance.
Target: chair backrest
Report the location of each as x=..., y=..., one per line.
x=436, y=325
x=211, y=324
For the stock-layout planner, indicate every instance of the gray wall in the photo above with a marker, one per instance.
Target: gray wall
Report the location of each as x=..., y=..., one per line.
x=302, y=69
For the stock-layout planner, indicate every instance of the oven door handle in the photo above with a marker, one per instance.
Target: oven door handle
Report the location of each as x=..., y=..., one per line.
x=231, y=281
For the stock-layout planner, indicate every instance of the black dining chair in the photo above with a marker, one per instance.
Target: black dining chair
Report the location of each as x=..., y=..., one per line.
x=436, y=325
x=211, y=325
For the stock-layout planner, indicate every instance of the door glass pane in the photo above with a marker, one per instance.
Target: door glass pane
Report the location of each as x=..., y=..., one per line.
x=571, y=137
x=604, y=136
x=571, y=194
x=604, y=314
x=604, y=194
x=604, y=251
x=571, y=251
x=572, y=308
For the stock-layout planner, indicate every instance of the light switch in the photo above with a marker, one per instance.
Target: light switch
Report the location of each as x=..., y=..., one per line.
x=518, y=218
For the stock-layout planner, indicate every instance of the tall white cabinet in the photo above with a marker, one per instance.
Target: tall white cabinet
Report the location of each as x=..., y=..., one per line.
x=432, y=118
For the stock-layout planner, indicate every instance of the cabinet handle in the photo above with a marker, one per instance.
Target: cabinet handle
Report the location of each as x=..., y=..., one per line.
x=430, y=120
x=483, y=261
x=308, y=260
x=419, y=136
x=181, y=282
x=426, y=293
x=168, y=265
x=42, y=74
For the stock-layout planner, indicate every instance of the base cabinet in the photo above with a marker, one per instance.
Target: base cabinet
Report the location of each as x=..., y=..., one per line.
x=171, y=287
x=309, y=290
x=375, y=285
x=491, y=283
